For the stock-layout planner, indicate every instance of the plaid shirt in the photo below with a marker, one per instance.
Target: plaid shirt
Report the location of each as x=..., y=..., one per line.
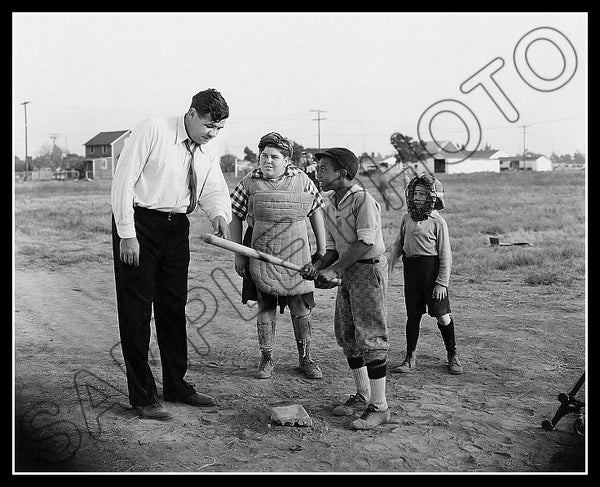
x=239, y=195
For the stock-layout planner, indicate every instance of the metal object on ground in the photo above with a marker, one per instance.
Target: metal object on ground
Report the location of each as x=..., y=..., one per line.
x=495, y=241
x=569, y=404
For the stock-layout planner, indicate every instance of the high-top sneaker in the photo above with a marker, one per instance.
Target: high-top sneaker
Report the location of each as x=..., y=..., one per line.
x=408, y=364
x=454, y=365
x=266, y=367
x=305, y=363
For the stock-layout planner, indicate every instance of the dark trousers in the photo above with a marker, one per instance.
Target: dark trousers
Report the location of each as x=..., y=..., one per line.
x=159, y=284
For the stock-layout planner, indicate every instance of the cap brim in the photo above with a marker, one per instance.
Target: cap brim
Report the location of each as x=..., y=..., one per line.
x=320, y=154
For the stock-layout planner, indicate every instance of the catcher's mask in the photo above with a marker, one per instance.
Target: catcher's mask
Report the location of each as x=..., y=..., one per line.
x=435, y=197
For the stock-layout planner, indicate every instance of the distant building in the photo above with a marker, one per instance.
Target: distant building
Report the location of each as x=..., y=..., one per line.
x=531, y=162
x=461, y=161
x=433, y=147
x=102, y=153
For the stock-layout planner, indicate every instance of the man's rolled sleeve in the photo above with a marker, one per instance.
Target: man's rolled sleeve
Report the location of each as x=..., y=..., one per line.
x=131, y=162
x=214, y=199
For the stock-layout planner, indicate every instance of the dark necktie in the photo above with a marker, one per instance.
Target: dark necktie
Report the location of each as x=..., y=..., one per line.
x=193, y=183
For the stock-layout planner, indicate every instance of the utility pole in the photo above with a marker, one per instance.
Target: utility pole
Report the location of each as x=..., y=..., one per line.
x=318, y=120
x=53, y=137
x=524, y=127
x=25, y=103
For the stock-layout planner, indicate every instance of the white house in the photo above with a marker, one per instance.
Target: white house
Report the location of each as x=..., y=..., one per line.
x=477, y=161
x=531, y=162
x=434, y=149
x=461, y=162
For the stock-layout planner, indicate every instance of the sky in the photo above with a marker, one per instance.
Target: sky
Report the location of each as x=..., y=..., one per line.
x=322, y=79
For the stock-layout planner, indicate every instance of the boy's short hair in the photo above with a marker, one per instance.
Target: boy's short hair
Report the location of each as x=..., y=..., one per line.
x=210, y=102
x=278, y=141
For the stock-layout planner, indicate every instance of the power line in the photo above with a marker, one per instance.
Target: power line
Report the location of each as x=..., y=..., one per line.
x=318, y=120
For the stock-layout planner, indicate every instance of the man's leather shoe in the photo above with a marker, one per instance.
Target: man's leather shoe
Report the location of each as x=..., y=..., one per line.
x=195, y=399
x=153, y=411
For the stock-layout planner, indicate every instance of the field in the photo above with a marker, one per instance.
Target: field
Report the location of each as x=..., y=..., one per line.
x=521, y=328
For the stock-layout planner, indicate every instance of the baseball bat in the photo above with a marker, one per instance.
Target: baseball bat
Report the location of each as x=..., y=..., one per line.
x=252, y=253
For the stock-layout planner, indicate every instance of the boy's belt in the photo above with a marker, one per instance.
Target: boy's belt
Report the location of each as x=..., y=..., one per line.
x=369, y=261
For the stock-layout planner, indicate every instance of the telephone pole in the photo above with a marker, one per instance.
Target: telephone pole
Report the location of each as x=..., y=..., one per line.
x=53, y=137
x=524, y=127
x=25, y=103
x=318, y=120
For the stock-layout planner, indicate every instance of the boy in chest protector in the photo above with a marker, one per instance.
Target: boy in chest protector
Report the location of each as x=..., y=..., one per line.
x=276, y=199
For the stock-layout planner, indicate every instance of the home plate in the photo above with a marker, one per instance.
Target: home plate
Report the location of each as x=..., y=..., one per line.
x=294, y=415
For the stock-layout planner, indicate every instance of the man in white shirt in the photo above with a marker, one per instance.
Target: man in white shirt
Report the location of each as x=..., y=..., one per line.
x=167, y=167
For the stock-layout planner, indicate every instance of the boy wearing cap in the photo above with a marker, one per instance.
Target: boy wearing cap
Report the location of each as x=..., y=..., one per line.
x=275, y=199
x=423, y=242
x=355, y=253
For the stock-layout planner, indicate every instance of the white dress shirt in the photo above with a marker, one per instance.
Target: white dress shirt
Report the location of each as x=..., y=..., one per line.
x=152, y=172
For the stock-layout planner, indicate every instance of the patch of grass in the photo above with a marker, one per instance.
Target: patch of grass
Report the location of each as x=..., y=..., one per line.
x=544, y=278
x=544, y=209
x=519, y=257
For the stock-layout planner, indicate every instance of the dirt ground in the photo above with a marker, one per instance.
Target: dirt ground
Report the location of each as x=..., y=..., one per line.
x=520, y=348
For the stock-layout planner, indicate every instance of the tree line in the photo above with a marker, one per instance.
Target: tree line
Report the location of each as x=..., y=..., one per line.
x=407, y=150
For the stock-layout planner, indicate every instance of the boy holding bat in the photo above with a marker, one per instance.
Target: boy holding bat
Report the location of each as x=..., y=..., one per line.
x=355, y=253
x=275, y=199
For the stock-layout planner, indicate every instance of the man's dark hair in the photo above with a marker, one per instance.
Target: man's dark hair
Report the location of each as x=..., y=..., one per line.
x=210, y=102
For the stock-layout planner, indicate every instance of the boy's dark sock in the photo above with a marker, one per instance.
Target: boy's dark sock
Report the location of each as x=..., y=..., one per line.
x=377, y=369
x=447, y=332
x=412, y=333
x=355, y=362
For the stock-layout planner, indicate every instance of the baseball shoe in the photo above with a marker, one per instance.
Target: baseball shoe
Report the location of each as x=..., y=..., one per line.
x=371, y=418
x=454, y=365
x=408, y=364
x=265, y=368
x=310, y=368
x=353, y=405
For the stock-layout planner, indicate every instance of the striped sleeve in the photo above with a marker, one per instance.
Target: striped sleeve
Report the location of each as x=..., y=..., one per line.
x=239, y=200
x=318, y=202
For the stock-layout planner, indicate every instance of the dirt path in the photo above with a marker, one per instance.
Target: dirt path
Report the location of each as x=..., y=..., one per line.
x=72, y=412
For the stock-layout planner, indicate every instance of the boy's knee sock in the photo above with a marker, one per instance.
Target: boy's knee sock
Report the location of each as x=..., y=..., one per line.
x=377, y=378
x=361, y=377
x=447, y=332
x=413, y=324
x=302, y=332
x=266, y=336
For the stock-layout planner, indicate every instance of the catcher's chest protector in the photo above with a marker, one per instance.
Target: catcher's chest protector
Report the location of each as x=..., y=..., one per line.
x=278, y=214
